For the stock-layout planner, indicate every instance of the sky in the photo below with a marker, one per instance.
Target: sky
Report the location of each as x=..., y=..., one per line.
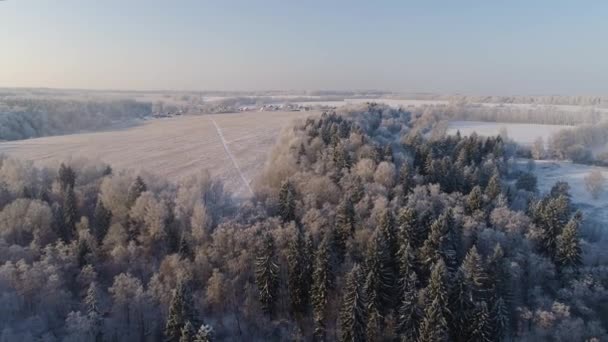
x=475, y=47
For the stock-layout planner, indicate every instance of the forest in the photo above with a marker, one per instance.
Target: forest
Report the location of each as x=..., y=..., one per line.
x=23, y=118
x=365, y=226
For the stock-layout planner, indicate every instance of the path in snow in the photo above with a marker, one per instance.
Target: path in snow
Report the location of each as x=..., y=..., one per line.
x=236, y=165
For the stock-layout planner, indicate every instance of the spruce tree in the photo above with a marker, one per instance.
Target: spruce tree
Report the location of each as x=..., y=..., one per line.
x=406, y=179
x=66, y=177
x=494, y=187
x=135, y=190
x=461, y=308
x=181, y=311
x=474, y=200
x=481, y=324
x=91, y=302
x=409, y=228
x=187, y=333
x=434, y=327
x=475, y=275
x=267, y=275
x=353, y=312
x=387, y=228
x=322, y=283
x=378, y=281
x=408, y=310
x=430, y=250
x=102, y=217
x=297, y=270
x=204, y=334
x=344, y=227
x=436, y=290
x=287, y=202
x=69, y=214
x=568, y=246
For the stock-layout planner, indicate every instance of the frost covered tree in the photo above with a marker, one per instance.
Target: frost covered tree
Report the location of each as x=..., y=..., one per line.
x=322, y=283
x=595, y=183
x=267, y=275
x=353, y=311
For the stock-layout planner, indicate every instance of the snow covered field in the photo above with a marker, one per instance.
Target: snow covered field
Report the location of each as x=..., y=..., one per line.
x=549, y=172
x=174, y=148
x=523, y=134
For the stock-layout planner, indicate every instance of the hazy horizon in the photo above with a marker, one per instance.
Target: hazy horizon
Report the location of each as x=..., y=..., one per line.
x=476, y=47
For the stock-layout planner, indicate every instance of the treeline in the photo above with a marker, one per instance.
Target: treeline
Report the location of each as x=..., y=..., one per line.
x=557, y=100
x=524, y=114
x=361, y=229
x=31, y=118
x=581, y=144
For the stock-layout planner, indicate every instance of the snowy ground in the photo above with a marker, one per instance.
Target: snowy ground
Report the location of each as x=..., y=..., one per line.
x=548, y=172
x=524, y=134
x=174, y=147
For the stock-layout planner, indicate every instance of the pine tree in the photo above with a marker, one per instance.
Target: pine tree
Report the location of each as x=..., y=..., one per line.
x=322, y=283
x=409, y=228
x=406, y=179
x=66, y=177
x=353, y=313
x=69, y=214
x=436, y=290
x=297, y=272
x=494, y=187
x=568, y=246
x=187, y=333
x=387, y=228
x=345, y=217
x=500, y=305
x=204, y=334
x=91, y=302
x=102, y=217
x=434, y=326
x=181, y=310
x=474, y=200
x=267, y=275
x=475, y=275
x=430, y=250
x=461, y=308
x=135, y=190
x=481, y=324
x=408, y=311
x=287, y=202
x=378, y=281
x=345, y=227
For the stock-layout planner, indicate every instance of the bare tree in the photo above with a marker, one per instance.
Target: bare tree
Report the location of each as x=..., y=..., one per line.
x=538, y=148
x=595, y=182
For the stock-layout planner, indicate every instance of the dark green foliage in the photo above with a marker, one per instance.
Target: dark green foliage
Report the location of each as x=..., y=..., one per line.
x=181, y=312
x=434, y=327
x=475, y=275
x=102, y=217
x=406, y=178
x=481, y=324
x=379, y=285
x=345, y=226
x=298, y=273
x=267, y=275
x=69, y=214
x=493, y=189
x=322, y=283
x=353, y=312
x=287, y=202
x=527, y=181
x=136, y=189
x=408, y=311
x=410, y=230
x=569, y=246
x=187, y=333
x=550, y=215
x=66, y=177
x=474, y=200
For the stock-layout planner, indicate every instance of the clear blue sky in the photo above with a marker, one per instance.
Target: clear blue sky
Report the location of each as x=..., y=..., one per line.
x=480, y=47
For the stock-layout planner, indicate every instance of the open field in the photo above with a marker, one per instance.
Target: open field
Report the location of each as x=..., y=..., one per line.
x=548, y=172
x=523, y=134
x=174, y=148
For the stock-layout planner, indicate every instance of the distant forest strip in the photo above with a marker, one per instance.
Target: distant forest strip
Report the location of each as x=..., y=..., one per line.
x=31, y=118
